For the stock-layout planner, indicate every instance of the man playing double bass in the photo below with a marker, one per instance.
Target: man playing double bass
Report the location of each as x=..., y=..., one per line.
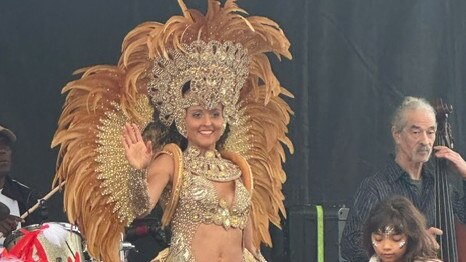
x=414, y=130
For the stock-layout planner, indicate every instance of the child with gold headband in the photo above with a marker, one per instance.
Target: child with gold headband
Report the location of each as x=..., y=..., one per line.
x=395, y=231
x=203, y=87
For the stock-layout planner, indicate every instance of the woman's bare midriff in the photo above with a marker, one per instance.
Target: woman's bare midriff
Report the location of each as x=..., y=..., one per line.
x=212, y=243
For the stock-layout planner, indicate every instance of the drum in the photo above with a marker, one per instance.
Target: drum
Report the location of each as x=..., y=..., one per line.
x=72, y=242
x=125, y=247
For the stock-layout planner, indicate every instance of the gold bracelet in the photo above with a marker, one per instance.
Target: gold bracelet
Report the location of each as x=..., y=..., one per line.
x=140, y=194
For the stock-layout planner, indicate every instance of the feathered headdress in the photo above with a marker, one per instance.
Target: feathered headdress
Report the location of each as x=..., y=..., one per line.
x=97, y=195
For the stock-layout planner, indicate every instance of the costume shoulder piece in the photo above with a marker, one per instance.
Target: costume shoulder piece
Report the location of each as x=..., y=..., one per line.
x=222, y=55
x=246, y=173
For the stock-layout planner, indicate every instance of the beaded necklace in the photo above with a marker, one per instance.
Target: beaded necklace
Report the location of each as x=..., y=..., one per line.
x=210, y=165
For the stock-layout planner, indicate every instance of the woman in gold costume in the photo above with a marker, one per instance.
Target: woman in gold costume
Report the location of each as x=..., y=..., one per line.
x=203, y=86
x=211, y=220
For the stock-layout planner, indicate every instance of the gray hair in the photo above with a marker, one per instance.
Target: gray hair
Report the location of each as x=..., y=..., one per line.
x=409, y=104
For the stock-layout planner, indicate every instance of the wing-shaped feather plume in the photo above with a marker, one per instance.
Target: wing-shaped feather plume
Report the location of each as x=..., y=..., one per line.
x=98, y=196
x=88, y=134
x=260, y=137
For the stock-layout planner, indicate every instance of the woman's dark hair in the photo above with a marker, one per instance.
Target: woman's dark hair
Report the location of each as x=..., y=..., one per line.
x=400, y=214
x=223, y=138
x=161, y=135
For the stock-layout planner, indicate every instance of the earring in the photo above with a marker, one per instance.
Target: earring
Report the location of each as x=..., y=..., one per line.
x=181, y=126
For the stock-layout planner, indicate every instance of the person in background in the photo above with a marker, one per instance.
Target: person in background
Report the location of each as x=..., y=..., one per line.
x=17, y=197
x=395, y=232
x=413, y=129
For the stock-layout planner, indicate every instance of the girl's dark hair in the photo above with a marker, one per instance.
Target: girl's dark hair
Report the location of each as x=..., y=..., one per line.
x=398, y=212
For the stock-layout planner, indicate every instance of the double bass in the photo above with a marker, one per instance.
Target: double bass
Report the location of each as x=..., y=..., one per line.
x=461, y=239
x=453, y=241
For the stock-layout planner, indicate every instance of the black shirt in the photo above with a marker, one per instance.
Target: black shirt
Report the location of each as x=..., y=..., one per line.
x=25, y=197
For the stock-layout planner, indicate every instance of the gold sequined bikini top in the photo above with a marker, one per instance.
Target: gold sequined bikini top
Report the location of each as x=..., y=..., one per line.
x=196, y=197
x=183, y=179
x=200, y=201
x=200, y=195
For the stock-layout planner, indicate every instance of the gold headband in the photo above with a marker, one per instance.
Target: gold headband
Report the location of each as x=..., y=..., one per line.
x=390, y=230
x=216, y=73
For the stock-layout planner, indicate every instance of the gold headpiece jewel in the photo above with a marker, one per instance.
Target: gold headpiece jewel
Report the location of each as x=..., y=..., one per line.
x=216, y=73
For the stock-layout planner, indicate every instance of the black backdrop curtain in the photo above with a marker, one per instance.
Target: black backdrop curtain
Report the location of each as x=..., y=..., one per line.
x=353, y=62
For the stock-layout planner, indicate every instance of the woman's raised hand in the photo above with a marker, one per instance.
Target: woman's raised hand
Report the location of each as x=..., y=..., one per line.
x=138, y=153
